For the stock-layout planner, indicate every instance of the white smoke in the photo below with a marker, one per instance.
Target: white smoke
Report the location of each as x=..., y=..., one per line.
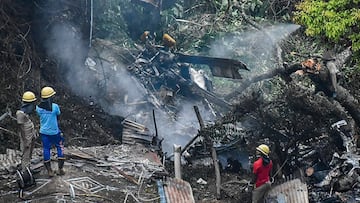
x=111, y=79
x=256, y=47
x=102, y=82
x=65, y=45
x=184, y=128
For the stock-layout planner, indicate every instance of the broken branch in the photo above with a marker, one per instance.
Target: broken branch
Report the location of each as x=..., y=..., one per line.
x=8, y=131
x=131, y=179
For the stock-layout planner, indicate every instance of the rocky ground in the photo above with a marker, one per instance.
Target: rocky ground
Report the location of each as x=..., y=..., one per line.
x=233, y=190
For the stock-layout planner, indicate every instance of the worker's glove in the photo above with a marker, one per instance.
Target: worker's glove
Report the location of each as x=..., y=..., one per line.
x=62, y=139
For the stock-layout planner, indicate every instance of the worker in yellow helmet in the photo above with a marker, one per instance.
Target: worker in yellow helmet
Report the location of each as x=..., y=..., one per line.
x=49, y=129
x=261, y=169
x=27, y=133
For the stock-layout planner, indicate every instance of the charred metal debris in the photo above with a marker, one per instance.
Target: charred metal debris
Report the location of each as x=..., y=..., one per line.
x=166, y=77
x=168, y=74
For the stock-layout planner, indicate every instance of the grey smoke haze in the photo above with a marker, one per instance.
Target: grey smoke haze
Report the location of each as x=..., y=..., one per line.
x=65, y=45
x=255, y=48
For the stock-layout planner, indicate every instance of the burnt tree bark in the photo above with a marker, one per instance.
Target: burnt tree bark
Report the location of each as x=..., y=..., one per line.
x=327, y=82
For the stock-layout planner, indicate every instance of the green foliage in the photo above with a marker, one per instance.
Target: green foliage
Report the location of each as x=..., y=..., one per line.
x=335, y=19
x=108, y=19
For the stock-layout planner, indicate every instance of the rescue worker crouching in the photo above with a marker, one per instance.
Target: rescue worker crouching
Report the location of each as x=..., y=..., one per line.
x=261, y=169
x=28, y=133
x=49, y=130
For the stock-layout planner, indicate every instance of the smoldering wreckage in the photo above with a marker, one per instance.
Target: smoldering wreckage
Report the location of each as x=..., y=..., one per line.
x=322, y=166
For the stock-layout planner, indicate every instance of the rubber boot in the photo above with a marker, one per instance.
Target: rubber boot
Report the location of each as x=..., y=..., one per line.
x=48, y=168
x=61, y=166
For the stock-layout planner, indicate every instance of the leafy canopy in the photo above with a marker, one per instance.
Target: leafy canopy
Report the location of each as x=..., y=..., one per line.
x=334, y=19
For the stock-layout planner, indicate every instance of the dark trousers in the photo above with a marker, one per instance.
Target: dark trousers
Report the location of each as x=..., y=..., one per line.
x=259, y=193
x=48, y=141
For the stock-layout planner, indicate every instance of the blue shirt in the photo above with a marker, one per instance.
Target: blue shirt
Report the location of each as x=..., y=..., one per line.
x=48, y=120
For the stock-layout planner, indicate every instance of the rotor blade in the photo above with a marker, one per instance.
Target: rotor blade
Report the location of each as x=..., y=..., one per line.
x=220, y=67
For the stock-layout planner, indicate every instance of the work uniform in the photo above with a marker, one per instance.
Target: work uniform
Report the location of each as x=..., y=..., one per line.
x=49, y=130
x=27, y=137
x=261, y=169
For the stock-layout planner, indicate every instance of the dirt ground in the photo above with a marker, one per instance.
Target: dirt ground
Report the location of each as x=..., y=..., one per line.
x=93, y=179
x=232, y=190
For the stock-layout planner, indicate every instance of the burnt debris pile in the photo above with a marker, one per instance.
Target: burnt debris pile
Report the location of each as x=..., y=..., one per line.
x=158, y=76
x=311, y=135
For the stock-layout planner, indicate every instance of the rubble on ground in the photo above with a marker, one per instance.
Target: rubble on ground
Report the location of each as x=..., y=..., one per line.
x=100, y=173
x=103, y=173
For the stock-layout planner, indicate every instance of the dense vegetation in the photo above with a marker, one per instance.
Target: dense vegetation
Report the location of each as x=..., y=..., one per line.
x=336, y=20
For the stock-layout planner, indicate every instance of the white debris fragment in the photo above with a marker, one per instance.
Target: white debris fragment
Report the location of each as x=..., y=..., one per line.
x=201, y=181
x=89, y=62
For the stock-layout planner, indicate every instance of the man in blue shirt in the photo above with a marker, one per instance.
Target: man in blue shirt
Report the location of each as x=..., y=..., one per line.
x=49, y=129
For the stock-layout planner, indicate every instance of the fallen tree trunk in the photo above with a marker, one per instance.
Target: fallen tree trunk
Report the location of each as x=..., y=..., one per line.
x=327, y=79
x=247, y=82
x=324, y=81
x=349, y=102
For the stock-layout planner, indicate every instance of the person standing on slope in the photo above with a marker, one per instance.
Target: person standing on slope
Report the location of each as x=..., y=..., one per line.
x=49, y=129
x=261, y=169
x=28, y=133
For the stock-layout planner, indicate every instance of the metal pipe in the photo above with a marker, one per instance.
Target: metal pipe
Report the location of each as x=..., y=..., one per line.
x=177, y=161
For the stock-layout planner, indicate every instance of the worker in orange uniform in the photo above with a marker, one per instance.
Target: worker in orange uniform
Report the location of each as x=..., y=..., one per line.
x=261, y=169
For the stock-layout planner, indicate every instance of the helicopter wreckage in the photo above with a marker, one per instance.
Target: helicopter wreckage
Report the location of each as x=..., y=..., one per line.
x=166, y=77
x=163, y=77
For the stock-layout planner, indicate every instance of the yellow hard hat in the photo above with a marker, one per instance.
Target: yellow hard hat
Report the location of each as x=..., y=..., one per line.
x=47, y=92
x=28, y=96
x=264, y=149
x=168, y=41
x=144, y=36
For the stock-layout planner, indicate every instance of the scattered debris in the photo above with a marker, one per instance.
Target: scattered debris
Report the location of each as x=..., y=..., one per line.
x=164, y=77
x=201, y=181
x=86, y=184
x=91, y=171
x=177, y=190
x=292, y=191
